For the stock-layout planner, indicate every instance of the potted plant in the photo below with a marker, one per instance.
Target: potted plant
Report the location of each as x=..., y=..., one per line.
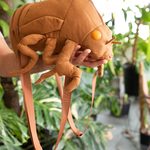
x=130, y=72
x=128, y=52
x=120, y=106
x=144, y=107
x=144, y=46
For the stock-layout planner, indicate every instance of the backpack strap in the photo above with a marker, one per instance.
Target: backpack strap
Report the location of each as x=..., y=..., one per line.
x=70, y=119
x=66, y=101
x=28, y=102
x=66, y=112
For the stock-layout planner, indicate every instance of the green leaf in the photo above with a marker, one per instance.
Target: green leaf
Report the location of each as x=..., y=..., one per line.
x=5, y=27
x=48, y=113
x=39, y=115
x=93, y=137
x=6, y=135
x=12, y=128
x=147, y=70
x=69, y=145
x=125, y=14
x=10, y=12
x=142, y=45
x=4, y=6
x=145, y=16
x=8, y=146
x=87, y=141
x=61, y=144
x=23, y=1
x=1, y=92
x=148, y=48
x=111, y=65
x=49, y=120
x=98, y=101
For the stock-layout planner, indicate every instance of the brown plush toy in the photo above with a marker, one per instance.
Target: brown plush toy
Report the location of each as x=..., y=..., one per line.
x=56, y=27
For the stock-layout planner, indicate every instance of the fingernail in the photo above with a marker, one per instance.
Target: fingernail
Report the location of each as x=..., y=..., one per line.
x=89, y=51
x=79, y=46
x=106, y=62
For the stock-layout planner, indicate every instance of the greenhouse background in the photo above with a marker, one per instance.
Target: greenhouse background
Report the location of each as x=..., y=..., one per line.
x=120, y=115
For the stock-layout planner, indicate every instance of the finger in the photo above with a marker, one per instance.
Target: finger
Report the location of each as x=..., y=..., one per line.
x=74, y=52
x=54, y=55
x=79, y=60
x=94, y=64
x=78, y=53
x=89, y=58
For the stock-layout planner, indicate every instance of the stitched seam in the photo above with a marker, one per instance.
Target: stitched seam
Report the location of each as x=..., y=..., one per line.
x=89, y=33
x=21, y=14
x=91, y=3
x=17, y=21
x=66, y=14
x=27, y=12
x=68, y=9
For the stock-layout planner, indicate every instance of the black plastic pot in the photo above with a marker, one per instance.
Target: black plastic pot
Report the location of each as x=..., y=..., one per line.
x=144, y=141
x=124, y=111
x=131, y=79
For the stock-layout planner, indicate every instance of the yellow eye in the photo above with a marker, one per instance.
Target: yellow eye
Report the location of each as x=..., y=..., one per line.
x=96, y=35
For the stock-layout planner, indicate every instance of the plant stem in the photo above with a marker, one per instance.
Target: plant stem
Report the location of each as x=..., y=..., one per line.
x=135, y=44
x=141, y=96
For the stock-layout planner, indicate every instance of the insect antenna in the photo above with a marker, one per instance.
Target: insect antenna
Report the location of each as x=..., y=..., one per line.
x=114, y=42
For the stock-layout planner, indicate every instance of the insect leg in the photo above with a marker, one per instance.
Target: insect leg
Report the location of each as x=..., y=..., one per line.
x=47, y=53
x=24, y=49
x=101, y=70
x=64, y=67
x=45, y=75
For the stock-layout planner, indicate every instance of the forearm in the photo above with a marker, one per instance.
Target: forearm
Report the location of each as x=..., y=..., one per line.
x=9, y=62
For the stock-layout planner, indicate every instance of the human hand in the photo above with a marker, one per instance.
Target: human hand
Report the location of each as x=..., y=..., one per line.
x=81, y=58
x=78, y=58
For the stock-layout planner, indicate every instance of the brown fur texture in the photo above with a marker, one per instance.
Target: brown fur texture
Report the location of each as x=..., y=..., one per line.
x=57, y=26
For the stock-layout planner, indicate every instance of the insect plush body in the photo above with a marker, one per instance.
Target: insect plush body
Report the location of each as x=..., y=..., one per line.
x=57, y=26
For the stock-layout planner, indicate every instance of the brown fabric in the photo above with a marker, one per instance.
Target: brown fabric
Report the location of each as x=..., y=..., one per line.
x=72, y=20
x=57, y=26
x=49, y=24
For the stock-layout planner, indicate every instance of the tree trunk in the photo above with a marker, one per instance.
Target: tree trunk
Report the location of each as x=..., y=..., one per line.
x=10, y=97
